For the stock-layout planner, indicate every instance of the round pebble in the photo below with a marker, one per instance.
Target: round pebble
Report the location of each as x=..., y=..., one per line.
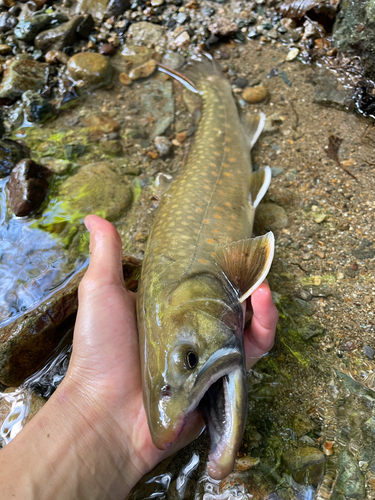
x=292, y=54
x=94, y=70
x=125, y=79
x=256, y=94
x=143, y=71
x=163, y=145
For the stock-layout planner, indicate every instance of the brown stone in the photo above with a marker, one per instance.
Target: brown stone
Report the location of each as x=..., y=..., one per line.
x=256, y=94
x=125, y=79
x=27, y=342
x=143, y=71
x=56, y=56
x=27, y=187
x=107, y=49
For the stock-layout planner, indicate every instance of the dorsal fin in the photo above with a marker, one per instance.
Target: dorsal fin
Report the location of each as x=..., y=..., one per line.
x=259, y=183
x=246, y=263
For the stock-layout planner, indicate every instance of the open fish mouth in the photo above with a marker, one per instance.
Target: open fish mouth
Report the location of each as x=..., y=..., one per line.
x=224, y=410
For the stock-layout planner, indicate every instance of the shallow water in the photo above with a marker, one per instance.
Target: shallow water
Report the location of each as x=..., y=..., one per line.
x=315, y=392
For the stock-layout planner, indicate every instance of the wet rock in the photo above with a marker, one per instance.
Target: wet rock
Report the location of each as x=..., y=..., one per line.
x=11, y=152
x=182, y=41
x=56, y=165
x=96, y=188
x=28, y=28
x=22, y=74
x=304, y=306
x=7, y=22
x=173, y=60
x=111, y=148
x=157, y=102
x=147, y=34
x=163, y=145
x=368, y=351
x=27, y=342
x=56, y=56
x=143, y=71
x=36, y=107
x=117, y=7
x=5, y=49
x=240, y=82
x=135, y=54
x=353, y=32
x=350, y=482
x=85, y=26
x=27, y=187
x=100, y=125
x=107, y=49
x=329, y=92
x=74, y=150
x=366, y=250
x=101, y=8
x=256, y=94
x=306, y=462
x=223, y=27
x=58, y=38
x=270, y=217
x=125, y=79
x=310, y=329
x=94, y=70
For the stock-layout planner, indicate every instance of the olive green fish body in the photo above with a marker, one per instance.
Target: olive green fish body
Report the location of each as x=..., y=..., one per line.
x=189, y=314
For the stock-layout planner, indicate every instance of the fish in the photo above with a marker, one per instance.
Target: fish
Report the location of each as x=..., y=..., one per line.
x=200, y=265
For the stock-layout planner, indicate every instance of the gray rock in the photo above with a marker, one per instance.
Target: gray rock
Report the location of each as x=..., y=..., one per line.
x=22, y=74
x=163, y=145
x=270, y=217
x=157, y=102
x=276, y=171
x=58, y=38
x=310, y=330
x=350, y=482
x=144, y=33
x=354, y=31
x=7, y=22
x=93, y=69
x=11, y=152
x=329, y=92
x=27, y=187
x=28, y=28
x=368, y=351
x=173, y=60
x=366, y=250
x=36, y=107
x=305, y=307
x=101, y=8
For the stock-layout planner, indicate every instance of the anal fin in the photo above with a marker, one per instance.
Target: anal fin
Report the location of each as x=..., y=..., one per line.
x=259, y=183
x=246, y=263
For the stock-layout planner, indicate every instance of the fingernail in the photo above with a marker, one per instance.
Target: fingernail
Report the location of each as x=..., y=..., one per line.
x=87, y=224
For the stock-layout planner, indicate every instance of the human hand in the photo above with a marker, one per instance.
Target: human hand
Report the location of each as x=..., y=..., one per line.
x=105, y=360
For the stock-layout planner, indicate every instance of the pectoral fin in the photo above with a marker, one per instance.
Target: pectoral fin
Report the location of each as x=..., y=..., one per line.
x=253, y=125
x=259, y=182
x=246, y=263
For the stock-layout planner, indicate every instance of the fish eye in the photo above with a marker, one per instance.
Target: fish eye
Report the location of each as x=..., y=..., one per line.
x=191, y=359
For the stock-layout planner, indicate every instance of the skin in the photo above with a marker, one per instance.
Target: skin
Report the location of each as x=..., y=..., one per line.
x=91, y=439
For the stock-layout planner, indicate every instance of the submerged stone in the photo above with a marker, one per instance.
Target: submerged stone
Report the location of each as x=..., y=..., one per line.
x=350, y=482
x=95, y=189
x=58, y=38
x=28, y=28
x=157, y=102
x=36, y=107
x=22, y=74
x=94, y=70
x=27, y=187
x=306, y=462
x=148, y=34
x=136, y=54
x=11, y=152
x=143, y=71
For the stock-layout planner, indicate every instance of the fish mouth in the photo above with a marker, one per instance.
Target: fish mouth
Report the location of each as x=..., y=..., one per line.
x=224, y=409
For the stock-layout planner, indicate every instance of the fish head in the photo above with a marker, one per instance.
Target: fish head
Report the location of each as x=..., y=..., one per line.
x=203, y=367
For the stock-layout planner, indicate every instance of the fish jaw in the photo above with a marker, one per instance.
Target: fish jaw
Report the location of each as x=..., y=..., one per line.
x=225, y=410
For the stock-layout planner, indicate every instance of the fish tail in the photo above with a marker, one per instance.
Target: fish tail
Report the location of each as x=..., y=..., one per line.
x=198, y=73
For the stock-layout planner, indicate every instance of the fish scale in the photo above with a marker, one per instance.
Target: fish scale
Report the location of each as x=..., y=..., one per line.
x=190, y=317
